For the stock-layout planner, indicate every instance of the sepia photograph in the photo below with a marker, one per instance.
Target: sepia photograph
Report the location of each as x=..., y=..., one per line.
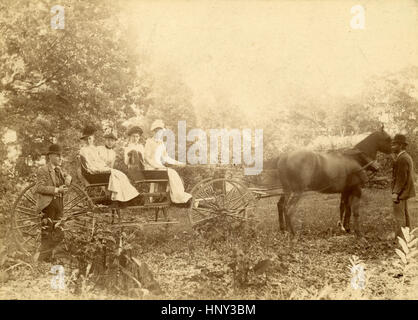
x=208, y=150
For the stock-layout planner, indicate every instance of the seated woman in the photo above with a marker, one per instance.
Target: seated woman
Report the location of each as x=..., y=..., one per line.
x=106, y=152
x=156, y=156
x=134, y=154
x=119, y=184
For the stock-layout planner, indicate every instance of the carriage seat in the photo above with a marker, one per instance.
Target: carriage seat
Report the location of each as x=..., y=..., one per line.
x=92, y=178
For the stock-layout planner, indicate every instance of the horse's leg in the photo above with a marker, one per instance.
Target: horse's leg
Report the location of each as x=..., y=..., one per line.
x=342, y=211
x=347, y=214
x=355, y=207
x=281, y=208
x=291, y=209
x=345, y=211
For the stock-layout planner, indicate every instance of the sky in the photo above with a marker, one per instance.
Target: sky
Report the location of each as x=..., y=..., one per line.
x=262, y=53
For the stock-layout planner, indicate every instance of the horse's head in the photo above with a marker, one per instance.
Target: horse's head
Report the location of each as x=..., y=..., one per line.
x=383, y=140
x=377, y=141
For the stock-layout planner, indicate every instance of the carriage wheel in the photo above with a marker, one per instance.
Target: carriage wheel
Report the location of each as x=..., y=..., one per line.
x=220, y=198
x=26, y=222
x=78, y=211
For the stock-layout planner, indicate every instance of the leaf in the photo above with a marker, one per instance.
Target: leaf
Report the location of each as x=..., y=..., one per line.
x=410, y=266
x=403, y=245
x=36, y=256
x=405, y=232
x=414, y=230
x=136, y=261
x=412, y=254
x=401, y=255
x=397, y=264
x=129, y=274
x=413, y=243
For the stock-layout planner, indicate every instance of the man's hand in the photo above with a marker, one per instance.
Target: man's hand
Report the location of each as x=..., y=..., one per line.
x=375, y=166
x=62, y=189
x=395, y=197
x=68, y=179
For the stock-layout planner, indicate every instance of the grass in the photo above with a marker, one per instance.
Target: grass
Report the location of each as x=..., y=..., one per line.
x=190, y=265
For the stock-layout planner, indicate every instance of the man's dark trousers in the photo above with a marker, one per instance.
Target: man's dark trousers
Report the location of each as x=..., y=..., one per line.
x=51, y=236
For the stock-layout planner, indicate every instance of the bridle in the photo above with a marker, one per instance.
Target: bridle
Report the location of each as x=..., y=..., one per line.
x=354, y=172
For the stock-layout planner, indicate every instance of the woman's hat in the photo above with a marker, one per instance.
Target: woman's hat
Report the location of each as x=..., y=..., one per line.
x=135, y=129
x=110, y=134
x=400, y=138
x=157, y=124
x=54, y=149
x=88, y=131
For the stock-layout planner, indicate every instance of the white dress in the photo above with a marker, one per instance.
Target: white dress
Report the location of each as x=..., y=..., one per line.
x=119, y=184
x=108, y=155
x=155, y=157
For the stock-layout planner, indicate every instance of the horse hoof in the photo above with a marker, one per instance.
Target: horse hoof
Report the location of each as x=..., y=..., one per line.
x=340, y=225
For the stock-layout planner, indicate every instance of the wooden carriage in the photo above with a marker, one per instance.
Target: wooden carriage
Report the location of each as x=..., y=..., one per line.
x=88, y=202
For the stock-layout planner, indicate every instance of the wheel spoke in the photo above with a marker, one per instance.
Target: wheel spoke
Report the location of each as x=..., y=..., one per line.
x=75, y=198
x=239, y=199
x=25, y=210
x=31, y=238
x=27, y=196
x=221, y=198
x=68, y=209
x=24, y=226
x=27, y=219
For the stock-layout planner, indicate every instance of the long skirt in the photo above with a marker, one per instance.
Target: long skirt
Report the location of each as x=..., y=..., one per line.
x=177, y=193
x=120, y=186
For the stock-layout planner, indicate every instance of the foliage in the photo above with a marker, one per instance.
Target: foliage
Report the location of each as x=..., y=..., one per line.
x=408, y=253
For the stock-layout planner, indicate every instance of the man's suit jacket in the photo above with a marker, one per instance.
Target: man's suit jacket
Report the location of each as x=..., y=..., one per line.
x=45, y=186
x=403, y=177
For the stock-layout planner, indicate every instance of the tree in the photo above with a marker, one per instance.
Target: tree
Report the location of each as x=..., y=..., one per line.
x=54, y=81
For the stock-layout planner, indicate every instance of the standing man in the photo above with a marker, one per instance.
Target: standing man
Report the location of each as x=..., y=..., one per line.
x=402, y=182
x=52, y=183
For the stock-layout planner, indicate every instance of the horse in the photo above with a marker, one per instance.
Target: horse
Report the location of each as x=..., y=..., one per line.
x=332, y=172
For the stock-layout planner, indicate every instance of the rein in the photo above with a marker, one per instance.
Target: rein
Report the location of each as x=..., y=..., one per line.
x=358, y=170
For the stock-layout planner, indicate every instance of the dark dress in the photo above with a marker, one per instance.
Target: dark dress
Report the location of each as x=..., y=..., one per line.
x=135, y=165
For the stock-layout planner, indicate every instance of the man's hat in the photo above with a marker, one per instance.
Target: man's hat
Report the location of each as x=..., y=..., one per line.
x=400, y=138
x=110, y=134
x=157, y=124
x=135, y=129
x=54, y=149
x=88, y=131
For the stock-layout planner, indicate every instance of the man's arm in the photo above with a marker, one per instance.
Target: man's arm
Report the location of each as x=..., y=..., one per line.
x=42, y=185
x=401, y=176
